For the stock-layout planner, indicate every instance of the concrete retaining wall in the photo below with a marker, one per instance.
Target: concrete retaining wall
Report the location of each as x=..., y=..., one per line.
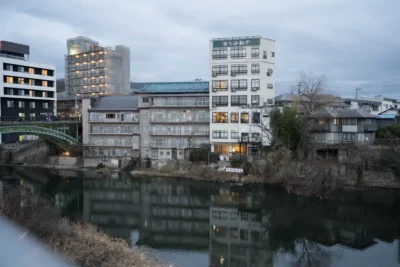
x=65, y=161
x=109, y=162
x=36, y=153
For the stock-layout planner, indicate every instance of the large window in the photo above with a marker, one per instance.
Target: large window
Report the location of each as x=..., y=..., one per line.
x=349, y=136
x=221, y=148
x=21, y=104
x=44, y=72
x=44, y=83
x=21, y=80
x=234, y=117
x=238, y=52
x=45, y=105
x=255, y=100
x=9, y=79
x=31, y=104
x=221, y=101
x=234, y=134
x=10, y=103
x=220, y=85
x=255, y=68
x=256, y=117
x=239, y=84
x=238, y=100
x=244, y=117
x=255, y=52
x=219, y=70
x=110, y=116
x=349, y=121
x=255, y=84
x=237, y=69
x=220, y=134
x=220, y=53
x=220, y=117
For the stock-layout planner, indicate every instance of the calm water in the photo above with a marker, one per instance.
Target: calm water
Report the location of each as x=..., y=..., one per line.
x=191, y=223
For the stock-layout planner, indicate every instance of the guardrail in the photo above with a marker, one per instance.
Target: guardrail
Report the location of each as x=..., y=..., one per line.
x=40, y=119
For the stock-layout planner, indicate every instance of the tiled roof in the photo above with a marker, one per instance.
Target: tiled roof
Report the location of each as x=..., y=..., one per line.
x=127, y=102
x=328, y=112
x=173, y=87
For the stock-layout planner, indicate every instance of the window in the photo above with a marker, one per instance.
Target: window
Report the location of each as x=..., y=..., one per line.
x=255, y=68
x=9, y=79
x=221, y=148
x=45, y=105
x=255, y=100
x=167, y=153
x=110, y=116
x=220, y=85
x=21, y=115
x=234, y=134
x=221, y=101
x=219, y=70
x=244, y=117
x=349, y=136
x=270, y=86
x=336, y=121
x=256, y=118
x=234, y=216
x=255, y=84
x=255, y=51
x=44, y=72
x=220, y=53
x=238, y=100
x=233, y=233
x=21, y=104
x=161, y=153
x=145, y=100
x=220, y=117
x=238, y=52
x=32, y=115
x=220, y=134
x=31, y=104
x=239, y=84
x=21, y=80
x=272, y=54
x=30, y=82
x=237, y=69
x=8, y=67
x=264, y=54
x=44, y=83
x=9, y=91
x=349, y=121
x=10, y=103
x=234, y=117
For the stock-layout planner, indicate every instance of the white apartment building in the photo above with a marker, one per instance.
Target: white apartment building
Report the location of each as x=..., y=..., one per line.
x=242, y=82
x=91, y=69
x=27, y=89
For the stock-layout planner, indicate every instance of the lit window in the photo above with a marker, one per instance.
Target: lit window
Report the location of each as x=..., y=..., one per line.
x=244, y=117
x=234, y=117
x=21, y=115
x=220, y=117
x=336, y=121
x=220, y=85
x=9, y=80
x=44, y=72
x=21, y=81
x=31, y=71
x=44, y=83
x=30, y=82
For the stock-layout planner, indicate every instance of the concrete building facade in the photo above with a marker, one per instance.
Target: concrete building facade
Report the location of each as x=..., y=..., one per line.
x=174, y=117
x=110, y=128
x=242, y=82
x=27, y=89
x=91, y=69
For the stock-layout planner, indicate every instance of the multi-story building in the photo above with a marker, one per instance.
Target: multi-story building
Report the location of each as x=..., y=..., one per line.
x=336, y=126
x=27, y=89
x=242, y=82
x=91, y=69
x=174, y=117
x=110, y=126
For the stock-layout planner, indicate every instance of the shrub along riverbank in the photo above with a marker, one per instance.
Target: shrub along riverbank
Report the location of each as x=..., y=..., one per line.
x=82, y=244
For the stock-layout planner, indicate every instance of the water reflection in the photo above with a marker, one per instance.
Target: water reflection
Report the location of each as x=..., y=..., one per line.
x=233, y=225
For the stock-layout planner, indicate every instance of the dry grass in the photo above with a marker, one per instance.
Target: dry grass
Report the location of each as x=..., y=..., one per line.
x=82, y=244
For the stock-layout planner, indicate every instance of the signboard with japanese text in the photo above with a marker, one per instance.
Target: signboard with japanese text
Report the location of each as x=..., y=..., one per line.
x=236, y=42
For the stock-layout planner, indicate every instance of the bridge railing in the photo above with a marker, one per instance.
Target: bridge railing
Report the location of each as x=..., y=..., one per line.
x=37, y=119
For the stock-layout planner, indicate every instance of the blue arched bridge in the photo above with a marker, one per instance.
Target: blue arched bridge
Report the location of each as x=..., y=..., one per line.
x=64, y=130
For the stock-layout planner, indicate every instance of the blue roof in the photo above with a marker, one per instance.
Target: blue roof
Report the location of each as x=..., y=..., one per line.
x=175, y=87
x=387, y=116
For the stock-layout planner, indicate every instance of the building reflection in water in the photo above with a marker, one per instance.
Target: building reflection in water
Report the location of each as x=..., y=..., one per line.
x=238, y=225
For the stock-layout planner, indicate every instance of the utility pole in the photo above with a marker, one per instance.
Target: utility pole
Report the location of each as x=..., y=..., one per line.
x=357, y=89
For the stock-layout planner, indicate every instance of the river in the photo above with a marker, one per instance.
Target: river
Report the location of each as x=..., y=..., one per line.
x=195, y=223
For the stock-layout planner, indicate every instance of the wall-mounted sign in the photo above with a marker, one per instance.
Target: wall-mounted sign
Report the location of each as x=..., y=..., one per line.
x=236, y=42
x=238, y=170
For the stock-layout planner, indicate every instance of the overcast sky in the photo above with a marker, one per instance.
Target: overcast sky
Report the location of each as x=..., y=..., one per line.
x=354, y=43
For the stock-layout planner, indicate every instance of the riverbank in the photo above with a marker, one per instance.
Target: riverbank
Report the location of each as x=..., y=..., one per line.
x=82, y=244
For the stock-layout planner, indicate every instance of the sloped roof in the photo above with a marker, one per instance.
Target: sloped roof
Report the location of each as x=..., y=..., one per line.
x=127, y=102
x=327, y=112
x=173, y=87
x=390, y=109
x=318, y=98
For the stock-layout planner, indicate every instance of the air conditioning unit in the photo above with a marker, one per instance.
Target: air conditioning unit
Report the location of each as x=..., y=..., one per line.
x=214, y=74
x=245, y=139
x=269, y=72
x=254, y=89
x=233, y=73
x=214, y=106
x=257, y=139
x=270, y=86
x=244, y=106
x=214, y=90
x=233, y=89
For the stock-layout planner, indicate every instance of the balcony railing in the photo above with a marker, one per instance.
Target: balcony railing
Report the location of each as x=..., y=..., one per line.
x=178, y=145
x=181, y=104
x=370, y=127
x=204, y=133
x=179, y=120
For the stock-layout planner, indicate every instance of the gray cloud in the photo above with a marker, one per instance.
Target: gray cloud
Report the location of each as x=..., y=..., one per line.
x=353, y=43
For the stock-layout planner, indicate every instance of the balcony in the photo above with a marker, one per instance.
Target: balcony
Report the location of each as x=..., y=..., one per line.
x=181, y=145
x=320, y=128
x=219, y=56
x=179, y=120
x=196, y=133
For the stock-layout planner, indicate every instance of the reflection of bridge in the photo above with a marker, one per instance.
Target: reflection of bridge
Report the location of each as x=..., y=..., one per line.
x=61, y=129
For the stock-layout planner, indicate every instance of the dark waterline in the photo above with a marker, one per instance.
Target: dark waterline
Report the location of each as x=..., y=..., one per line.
x=194, y=223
